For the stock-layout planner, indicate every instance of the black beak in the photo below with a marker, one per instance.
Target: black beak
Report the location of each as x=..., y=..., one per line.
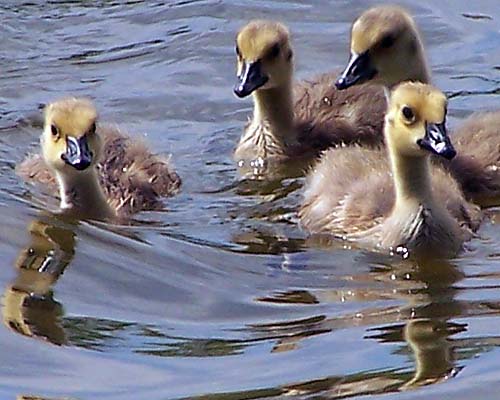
x=437, y=141
x=77, y=154
x=358, y=70
x=251, y=78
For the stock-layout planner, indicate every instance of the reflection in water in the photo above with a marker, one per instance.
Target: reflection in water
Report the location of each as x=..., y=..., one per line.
x=425, y=331
x=429, y=341
x=262, y=242
x=422, y=327
x=189, y=347
x=28, y=304
x=32, y=315
x=29, y=307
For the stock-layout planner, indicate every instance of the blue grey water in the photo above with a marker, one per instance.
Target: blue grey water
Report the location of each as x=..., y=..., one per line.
x=220, y=296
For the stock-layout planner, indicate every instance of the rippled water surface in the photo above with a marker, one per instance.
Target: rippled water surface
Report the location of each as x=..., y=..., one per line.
x=220, y=296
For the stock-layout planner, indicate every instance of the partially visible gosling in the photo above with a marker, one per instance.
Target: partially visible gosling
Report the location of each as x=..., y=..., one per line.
x=127, y=179
x=394, y=203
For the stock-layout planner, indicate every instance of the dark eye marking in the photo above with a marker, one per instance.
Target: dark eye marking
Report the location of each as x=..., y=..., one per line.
x=92, y=129
x=238, y=52
x=387, y=41
x=408, y=113
x=54, y=130
x=274, y=51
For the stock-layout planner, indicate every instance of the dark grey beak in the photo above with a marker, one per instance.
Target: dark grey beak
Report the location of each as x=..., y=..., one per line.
x=77, y=154
x=251, y=78
x=358, y=70
x=437, y=141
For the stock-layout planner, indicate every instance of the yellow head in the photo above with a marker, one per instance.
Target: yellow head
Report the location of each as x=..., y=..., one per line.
x=386, y=48
x=264, y=57
x=415, y=121
x=70, y=144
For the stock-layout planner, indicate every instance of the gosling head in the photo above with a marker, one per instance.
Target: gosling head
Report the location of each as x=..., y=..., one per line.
x=385, y=48
x=264, y=57
x=415, y=123
x=70, y=144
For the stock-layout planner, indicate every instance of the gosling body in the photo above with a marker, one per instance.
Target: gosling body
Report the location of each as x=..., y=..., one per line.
x=388, y=199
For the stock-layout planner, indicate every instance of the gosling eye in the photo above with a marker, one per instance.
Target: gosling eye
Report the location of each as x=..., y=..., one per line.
x=238, y=52
x=54, y=131
x=92, y=129
x=408, y=114
x=387, y=41
x=273, y=52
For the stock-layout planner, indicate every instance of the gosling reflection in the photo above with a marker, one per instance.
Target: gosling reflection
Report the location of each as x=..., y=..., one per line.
x=33, y=316
x=423, y=328
x=428, y=328
x=431, y=344
x=28, y=305
x=259, y=241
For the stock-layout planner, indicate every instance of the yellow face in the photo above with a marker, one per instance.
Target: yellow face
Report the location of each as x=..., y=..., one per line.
x=384, y=47
x=382, y=29
x=415, y=121
x=264, y=57
x=70, y=143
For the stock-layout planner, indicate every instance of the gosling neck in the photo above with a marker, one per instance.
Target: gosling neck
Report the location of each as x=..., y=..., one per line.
x=415, y=68
x=274, y=108
x=81, y=193
x=420, y=70
x=411, y=179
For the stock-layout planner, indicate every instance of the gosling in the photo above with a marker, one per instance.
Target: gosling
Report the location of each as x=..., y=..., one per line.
x=391, y=202
x=114, y=179
x=295, y=121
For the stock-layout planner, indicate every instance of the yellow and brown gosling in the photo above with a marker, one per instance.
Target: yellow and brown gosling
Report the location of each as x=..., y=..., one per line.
x=393, y=199
x=99, y=172
x=386, y=48
x=293, y=120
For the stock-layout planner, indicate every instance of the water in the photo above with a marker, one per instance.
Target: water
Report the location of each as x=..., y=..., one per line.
x=220, y=296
